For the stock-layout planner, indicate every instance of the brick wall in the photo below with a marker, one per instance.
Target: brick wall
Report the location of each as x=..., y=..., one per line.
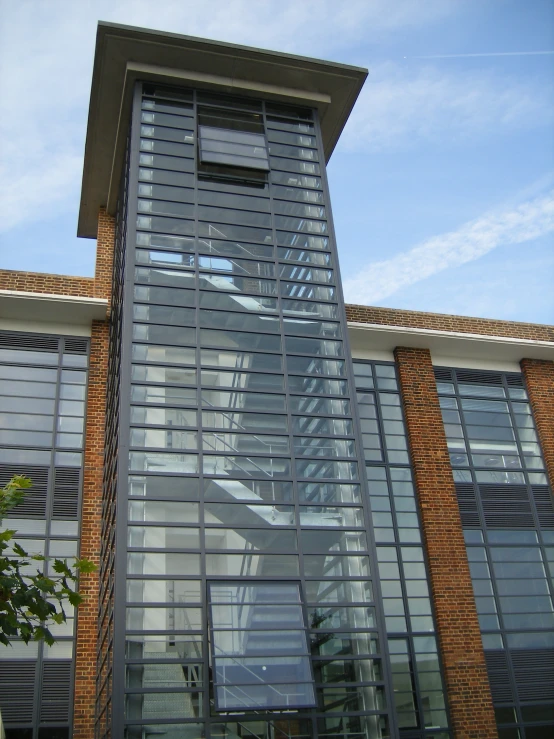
x=440, y=322
x=458, y=631
x=85, y=665
x=39, y=282
x=539, y=377
x=104, y=255
x=87, y=622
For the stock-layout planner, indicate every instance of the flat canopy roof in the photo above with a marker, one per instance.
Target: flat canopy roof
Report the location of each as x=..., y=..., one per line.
x=125, y=54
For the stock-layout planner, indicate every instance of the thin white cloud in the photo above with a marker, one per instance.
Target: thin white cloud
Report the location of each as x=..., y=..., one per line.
x=497, y=228
x=403, y=105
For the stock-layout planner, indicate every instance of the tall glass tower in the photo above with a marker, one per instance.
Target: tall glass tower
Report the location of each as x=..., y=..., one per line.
x=239, y=591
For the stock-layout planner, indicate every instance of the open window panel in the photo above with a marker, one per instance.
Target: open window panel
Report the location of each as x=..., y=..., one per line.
x=259, y=647
x=232, y=144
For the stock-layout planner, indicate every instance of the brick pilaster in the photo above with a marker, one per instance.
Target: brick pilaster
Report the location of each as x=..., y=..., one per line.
x=458, y=631
x=104, y=255
x=539, y=378
x=87, y=619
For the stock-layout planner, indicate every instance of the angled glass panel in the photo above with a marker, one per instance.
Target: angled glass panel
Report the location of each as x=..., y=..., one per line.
x=258, y=636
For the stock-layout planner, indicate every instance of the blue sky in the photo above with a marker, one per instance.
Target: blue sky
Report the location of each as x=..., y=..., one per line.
x=442, y=183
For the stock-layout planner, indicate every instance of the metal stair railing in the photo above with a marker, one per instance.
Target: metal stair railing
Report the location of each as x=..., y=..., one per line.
x=232, y=448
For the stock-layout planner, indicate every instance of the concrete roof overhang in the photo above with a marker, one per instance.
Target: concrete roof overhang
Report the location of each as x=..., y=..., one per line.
x=125, y=54
x=445, y=344
x=29, y=306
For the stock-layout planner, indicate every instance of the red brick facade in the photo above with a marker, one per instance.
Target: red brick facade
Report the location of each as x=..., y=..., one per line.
x=104, y=256
x=39, y=282
x=539, y=377
x=440, y=322
x=458, y=631
x=87, y=622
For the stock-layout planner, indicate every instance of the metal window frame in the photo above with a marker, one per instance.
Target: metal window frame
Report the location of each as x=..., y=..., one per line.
x=506, y=380
x=48, y=536
x=408, y=636
x=124, y=423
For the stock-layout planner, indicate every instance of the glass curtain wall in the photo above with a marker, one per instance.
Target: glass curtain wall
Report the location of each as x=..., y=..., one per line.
x=508, y=518
x=249, y=558
x=43, y=382
x=415, y=663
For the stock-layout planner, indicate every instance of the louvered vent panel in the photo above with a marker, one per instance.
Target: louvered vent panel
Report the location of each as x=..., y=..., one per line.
x=478, y=376
x=534, y=674
x=514, y=380
x=66, y=492
x=75, y=346
x=443, y=374
x=17, y=690
x=34, y=502
x=467, y=502
x=56, y=690
x=497, y=668
x=544, y=504
x=9, y=340
x=506, y=506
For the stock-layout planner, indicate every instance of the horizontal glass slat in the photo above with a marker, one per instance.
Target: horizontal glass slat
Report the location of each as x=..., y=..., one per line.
x=165, y=315
x=165, y=242
x=164, y=334
x=162, y=395
x=165, y=208
x=235, y=232
x=293, y=165
x=163, y=416
x=323, y=426
x=163, y=462
x=292, y=179
x=166, y=177
x=241, y=341
x=229, y=301
x=175, y=117
x=237, y=283
x=240, y=266
x=232, y=200
x=166, y=148
x=164, y=296
x=243, y=443
x=165, y=225
x=243, y=401
x=166, y=133
x=227, y=358
x=241, y=380
x=172, y=163
x=233, y=249
x=259, y=467
x=157, y=354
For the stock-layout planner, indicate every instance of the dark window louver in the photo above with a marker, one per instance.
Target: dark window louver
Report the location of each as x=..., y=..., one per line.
x=467, y=503
x=36, y=342
x=499, y=679
x=514, y=380
x=56, y=690
x=443, y=375
x=66, y=492
x=544, y=503
x=506, y=506
x=534, y=674
x=75, y=346
x=17, y=690
x=478, y=377
x=34, y=502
